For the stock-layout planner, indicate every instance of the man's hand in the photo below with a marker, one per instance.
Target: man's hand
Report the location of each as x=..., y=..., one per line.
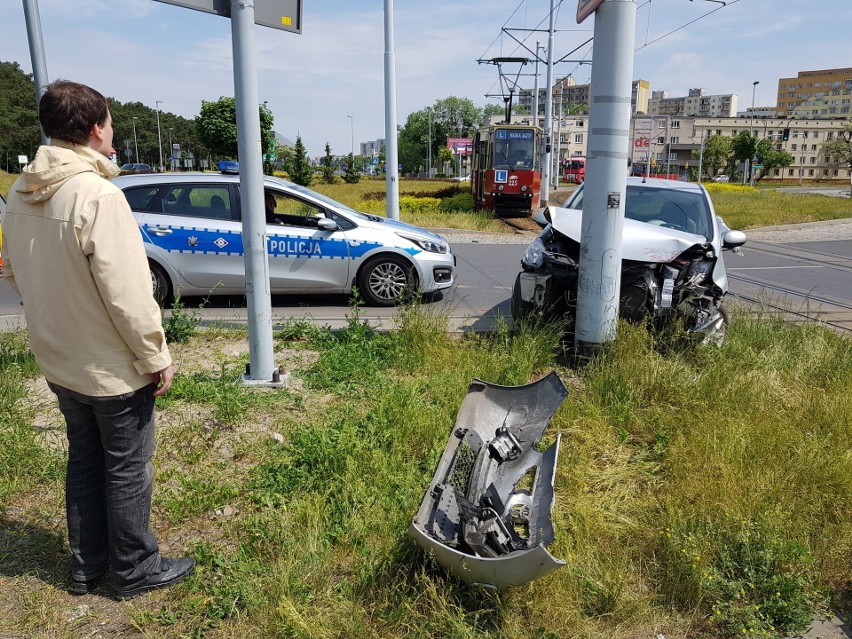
x=163, y=380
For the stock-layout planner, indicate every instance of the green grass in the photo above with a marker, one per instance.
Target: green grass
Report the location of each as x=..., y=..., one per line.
x=699, y=492
x=744, y=207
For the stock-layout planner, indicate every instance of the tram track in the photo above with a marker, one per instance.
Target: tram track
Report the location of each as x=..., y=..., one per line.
x=522, y=224
x=796, y=303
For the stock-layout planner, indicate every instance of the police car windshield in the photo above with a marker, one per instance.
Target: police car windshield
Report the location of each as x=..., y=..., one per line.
x=327, y=200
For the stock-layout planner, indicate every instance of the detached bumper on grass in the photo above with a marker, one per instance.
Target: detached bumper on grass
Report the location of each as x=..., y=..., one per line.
x=486, y=515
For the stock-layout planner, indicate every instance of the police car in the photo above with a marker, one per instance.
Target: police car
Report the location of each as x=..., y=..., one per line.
x=192, y=230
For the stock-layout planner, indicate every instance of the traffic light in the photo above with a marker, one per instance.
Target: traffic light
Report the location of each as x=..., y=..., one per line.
x=786, y=135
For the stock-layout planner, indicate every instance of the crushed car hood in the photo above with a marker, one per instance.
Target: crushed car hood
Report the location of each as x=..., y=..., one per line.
x=641, y=242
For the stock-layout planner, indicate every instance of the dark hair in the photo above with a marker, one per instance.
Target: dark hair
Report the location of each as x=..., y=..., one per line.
x=68, y=111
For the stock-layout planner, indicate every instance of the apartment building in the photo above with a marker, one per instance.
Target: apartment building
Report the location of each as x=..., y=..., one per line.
x=372, y=147
x=572, y=93
x=671, y=141
x=695, y=104
x=822, y=89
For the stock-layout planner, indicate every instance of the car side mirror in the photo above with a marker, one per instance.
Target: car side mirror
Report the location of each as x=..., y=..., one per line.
x=325, y=224
x=733, y=239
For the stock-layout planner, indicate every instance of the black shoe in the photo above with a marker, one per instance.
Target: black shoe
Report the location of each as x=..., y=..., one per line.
x=85, y=586
x=172, y=571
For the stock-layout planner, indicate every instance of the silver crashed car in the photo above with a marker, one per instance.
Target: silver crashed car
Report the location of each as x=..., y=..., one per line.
x=192, y=229
x=672, y=266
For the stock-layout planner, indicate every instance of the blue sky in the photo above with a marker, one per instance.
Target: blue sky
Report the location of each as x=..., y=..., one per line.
x=142, y=50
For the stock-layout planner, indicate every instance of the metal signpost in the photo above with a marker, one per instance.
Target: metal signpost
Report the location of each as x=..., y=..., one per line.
x=287, y=16
x=278, y=14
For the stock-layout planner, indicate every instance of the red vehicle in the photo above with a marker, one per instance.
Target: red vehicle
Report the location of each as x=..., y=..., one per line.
x=574, y=169
x=505, y=174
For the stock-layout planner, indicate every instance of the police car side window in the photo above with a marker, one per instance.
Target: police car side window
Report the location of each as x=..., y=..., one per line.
x=140, y=197
x=197, y=200
x=296, y=212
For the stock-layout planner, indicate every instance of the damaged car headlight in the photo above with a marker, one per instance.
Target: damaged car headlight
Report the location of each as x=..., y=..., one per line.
x=486, y=515
x=534, y=255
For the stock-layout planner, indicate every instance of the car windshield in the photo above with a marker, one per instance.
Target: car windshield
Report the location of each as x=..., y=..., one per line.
x=669, y=208
x=319, y=197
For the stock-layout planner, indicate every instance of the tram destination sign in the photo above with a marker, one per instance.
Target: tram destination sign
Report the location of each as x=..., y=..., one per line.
x=585, y=8
x=278, y=14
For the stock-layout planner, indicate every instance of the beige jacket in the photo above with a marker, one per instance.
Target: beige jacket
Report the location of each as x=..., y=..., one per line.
x=73, y=252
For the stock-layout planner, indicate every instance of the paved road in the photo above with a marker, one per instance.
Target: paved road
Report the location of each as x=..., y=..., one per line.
x=805, y=268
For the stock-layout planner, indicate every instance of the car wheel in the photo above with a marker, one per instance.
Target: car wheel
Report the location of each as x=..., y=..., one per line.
x=386, y=280
x=161, y=284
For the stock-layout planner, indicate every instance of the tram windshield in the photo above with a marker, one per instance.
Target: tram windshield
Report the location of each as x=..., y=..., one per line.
x=514, y=149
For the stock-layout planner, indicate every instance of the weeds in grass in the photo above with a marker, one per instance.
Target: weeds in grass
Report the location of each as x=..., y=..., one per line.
x=748, y=578
x=23, y=462
x=677, y=465
x=181, y=324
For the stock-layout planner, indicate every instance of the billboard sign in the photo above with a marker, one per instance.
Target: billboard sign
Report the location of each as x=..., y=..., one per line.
x=642, y=131
x=278, y=14
x=585, y=8
x=460, y=146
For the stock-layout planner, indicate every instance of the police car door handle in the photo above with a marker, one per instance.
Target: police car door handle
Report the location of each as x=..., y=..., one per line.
x=160, y=230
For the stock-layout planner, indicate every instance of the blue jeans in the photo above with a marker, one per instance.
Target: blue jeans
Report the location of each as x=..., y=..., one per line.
x=108, y=484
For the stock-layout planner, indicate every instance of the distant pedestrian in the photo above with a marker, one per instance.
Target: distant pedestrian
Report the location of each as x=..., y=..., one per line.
x=74, y=254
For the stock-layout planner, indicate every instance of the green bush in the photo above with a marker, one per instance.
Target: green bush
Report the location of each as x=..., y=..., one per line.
x=458, y=202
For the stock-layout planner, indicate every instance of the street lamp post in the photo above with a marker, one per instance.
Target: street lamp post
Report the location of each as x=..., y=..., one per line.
x=135, y=143
x=157, y=103
x=802, y=164
x=171, y=150
x=352, y=135
x=429, y=150
x=751, y=132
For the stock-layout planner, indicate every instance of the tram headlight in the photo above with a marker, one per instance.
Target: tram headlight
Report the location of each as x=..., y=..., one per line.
x=499, y=187
x=523, y=188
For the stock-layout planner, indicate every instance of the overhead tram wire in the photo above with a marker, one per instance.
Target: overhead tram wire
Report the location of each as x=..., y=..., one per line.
x=726, y=3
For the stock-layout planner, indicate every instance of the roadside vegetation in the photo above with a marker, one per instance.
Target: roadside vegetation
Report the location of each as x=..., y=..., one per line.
x=744, y=207
x=446, y=204
x=700, y=492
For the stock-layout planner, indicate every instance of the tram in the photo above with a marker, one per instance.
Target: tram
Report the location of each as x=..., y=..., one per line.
x=574, y=169
x=505, y=174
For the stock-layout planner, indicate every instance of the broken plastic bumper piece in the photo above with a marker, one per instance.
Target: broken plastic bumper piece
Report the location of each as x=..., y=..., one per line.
x=486, y=515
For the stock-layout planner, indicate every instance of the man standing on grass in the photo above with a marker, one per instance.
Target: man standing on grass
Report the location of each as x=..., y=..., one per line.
x=73, y=252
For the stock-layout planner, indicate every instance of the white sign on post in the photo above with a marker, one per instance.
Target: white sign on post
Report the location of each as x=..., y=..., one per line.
x=278, y=14
x=22, y=159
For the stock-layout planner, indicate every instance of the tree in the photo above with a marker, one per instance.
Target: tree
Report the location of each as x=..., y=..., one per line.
x=217, y=127
x=448, y=118
x=839, y=150
x=350, y=175
x=770, y=157
x=744, y=146
x=717, y=149
x=19, y=128
x=301, y=171
x=494, y=109
x=328, y=166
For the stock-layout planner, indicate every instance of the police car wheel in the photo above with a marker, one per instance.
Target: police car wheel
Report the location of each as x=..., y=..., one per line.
x=385, y=281
x=161, y=284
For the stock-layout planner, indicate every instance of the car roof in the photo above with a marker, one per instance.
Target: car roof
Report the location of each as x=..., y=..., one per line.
x=659, y=183
x=198, y=177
